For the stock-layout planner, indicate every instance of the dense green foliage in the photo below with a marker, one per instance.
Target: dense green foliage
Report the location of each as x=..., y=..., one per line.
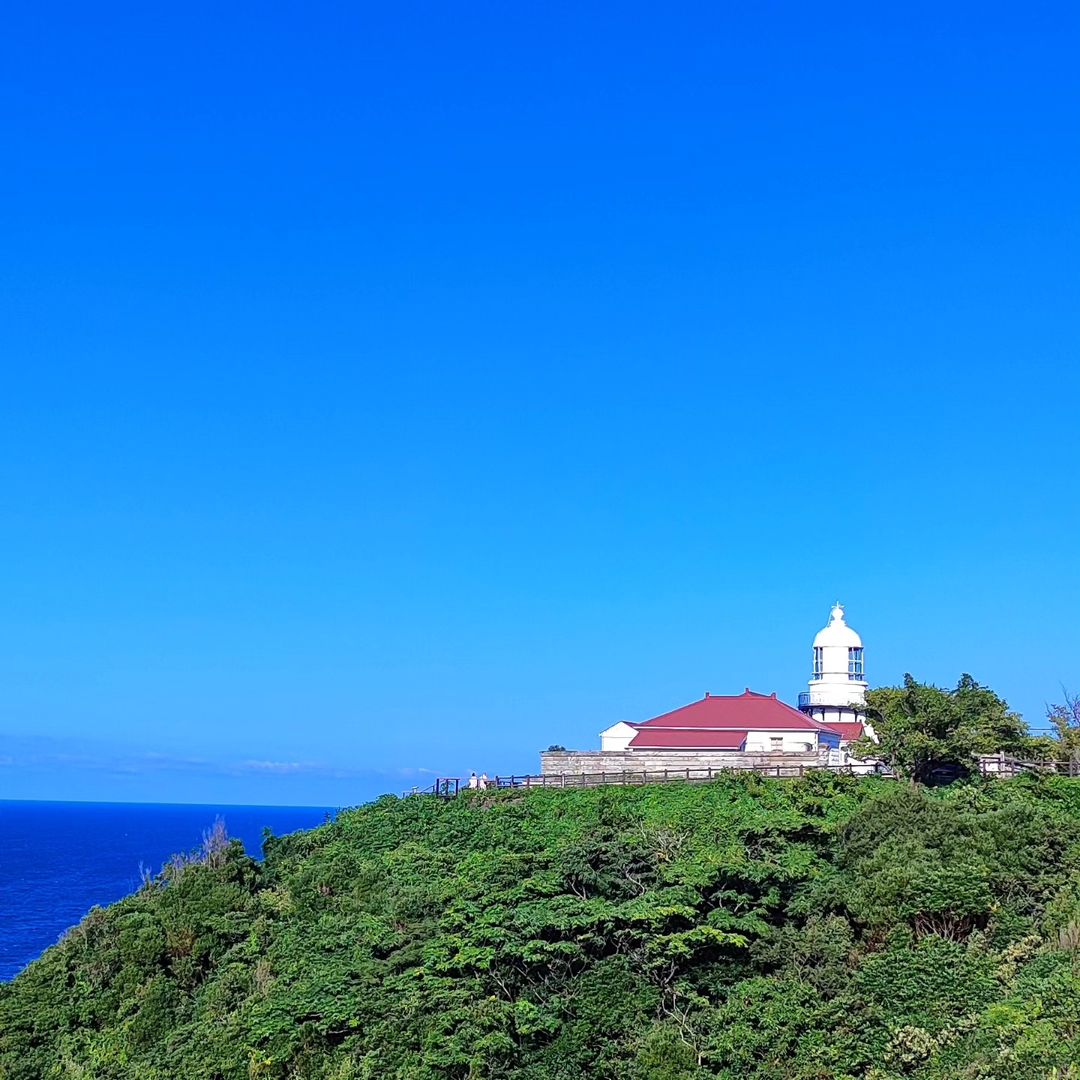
x=745, y=928
x=925, y=732
x=1065, y=718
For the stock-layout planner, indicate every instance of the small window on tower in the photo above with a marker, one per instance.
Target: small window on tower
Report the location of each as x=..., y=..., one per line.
x=855, y=664
x=819, y=662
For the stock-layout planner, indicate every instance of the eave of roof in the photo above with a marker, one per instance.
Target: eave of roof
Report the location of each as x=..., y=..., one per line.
x=847, y=729
x=687, y=739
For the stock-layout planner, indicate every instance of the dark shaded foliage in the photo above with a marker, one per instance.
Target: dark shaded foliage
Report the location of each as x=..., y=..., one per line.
x=931, y=735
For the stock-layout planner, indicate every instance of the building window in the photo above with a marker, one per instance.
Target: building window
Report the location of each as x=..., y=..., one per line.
x=855, y=664
x=819, y=661
x=776, y=744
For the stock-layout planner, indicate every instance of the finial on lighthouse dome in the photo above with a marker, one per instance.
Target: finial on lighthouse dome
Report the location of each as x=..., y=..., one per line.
x=837, y=632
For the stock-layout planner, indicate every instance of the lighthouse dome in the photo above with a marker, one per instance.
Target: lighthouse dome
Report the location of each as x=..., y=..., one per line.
x=837, y=632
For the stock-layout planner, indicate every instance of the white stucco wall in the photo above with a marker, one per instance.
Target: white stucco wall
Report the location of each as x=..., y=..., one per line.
x=617, y=737
x=794, y=742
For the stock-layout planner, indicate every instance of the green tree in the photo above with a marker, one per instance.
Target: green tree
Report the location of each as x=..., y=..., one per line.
x=924, y=730
x=1066, y=720
x=849, y=928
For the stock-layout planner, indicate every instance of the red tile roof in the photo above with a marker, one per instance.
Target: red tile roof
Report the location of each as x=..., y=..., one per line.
x=686, y=739
x=737, y=712
x=847, y=731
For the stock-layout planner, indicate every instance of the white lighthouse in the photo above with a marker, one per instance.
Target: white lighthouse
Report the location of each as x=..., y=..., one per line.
x=837, y=690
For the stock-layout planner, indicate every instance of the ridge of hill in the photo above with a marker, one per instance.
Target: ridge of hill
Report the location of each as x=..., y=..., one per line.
x=821, y=928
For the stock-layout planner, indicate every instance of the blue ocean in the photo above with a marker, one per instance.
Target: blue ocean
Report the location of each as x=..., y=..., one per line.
x=59, y=859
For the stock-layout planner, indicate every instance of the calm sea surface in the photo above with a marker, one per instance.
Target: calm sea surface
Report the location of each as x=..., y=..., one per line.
x=57, y=860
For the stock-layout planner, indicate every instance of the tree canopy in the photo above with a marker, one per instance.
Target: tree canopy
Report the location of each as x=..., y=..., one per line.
x=1065, y=718
x=923, y=731
x=744, y=929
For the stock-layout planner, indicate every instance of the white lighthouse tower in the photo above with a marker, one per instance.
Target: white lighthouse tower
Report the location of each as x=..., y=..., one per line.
x=838, y=680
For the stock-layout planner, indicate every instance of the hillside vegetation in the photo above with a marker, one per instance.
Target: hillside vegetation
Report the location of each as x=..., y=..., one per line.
x=743, y=928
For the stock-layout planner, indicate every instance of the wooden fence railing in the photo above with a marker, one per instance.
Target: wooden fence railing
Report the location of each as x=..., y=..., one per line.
x=448, y=787
x=1005, y=766
x=661, y=776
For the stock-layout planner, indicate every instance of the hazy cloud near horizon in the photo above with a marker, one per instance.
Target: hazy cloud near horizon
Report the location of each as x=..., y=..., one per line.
x=34, y=751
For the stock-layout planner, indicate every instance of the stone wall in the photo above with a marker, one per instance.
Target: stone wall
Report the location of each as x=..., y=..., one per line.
x=594, y=762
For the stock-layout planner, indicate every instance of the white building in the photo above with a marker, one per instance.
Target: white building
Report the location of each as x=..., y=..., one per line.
x=837, y=687
x=739, y=730
x=831, y=713
x=745, y=723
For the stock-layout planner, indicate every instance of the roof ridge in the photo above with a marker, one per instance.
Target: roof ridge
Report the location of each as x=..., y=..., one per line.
x=739, y=725
x=728, y=712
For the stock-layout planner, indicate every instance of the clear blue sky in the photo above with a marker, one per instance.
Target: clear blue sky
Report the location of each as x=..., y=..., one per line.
x=408, y=387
